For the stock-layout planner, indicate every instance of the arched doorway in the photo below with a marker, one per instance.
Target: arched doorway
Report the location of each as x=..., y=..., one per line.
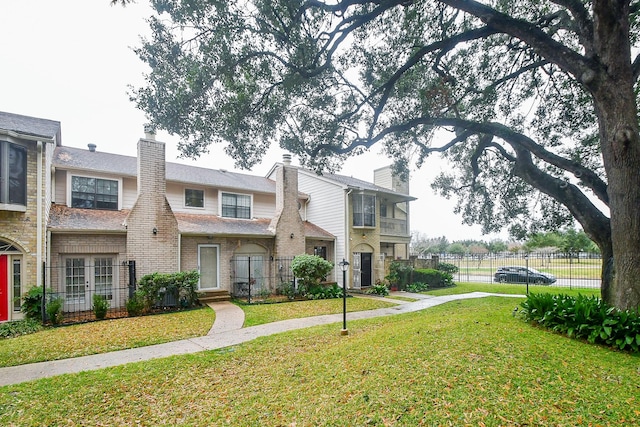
x=11, y=272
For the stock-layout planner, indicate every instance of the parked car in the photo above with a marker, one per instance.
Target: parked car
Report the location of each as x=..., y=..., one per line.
x=519, y=275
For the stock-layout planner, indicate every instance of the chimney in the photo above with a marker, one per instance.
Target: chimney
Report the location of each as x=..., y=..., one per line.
x=150, y=132
x=92, y=147
x=286, y=159
x=287, y=224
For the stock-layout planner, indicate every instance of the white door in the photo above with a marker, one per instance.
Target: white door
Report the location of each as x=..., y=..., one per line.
x=86, y=276
x=208, y=267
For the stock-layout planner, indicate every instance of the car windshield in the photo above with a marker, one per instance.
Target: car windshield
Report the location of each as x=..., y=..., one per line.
x=533, y=270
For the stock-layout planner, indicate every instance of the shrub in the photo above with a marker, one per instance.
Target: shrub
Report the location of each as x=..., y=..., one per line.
x=287, y=289
x=324, y=291
x=433, y=278
x=379, y=289
x=54, y=311
x=417, y=287
x=586, y=317
x=32, y=303
x=310, y=269
x=448, y=267
x=399, y=274
x=100, y=306
x=182, y=286
x=19, y=327
x=135, y=305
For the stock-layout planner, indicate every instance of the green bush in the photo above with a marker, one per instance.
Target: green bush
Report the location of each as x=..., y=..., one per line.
x=399, y=274
x=19, y=327
x=379, y=289
x=182, y=286
x=417, y=287
x=324, y=291
x=448, y=267
x=287, y=289
x=584, y=317
x=433, y=278
x=310, y=270
x=135, y=305
x=100, y=306
x=54, y=311
x=32, y=303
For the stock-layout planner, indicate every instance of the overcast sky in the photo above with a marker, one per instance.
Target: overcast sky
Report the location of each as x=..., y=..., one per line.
x=71, y=61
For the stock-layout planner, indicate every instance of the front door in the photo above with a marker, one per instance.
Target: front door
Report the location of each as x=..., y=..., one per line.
x=85, y=276
x=366, y=265
x=208, y=266
x=4, y=289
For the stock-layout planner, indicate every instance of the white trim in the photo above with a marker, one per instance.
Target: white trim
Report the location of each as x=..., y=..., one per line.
x=95, y=176
x=221, y=192
x=184, y=198
x=217, y=266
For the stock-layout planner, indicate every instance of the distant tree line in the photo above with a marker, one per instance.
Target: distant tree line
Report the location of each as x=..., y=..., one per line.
x=568, y=241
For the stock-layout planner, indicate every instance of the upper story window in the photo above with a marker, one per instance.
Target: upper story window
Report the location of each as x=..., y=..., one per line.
x=94, y=193
x=236, y=205
x=364, y=210
x=193, y=198
x=13, y=174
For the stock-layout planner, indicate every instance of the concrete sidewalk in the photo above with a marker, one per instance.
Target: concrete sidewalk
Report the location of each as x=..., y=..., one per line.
x=226, y=331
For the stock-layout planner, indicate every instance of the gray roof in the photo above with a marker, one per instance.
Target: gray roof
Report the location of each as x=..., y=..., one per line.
x=349, y=181
x=30, y=126
x=76, y=158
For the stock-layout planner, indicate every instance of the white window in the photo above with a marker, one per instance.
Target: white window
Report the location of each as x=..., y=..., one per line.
x=364, y=210
x=13, y=174
x=193, y=198
x=236, y=205
x=94, y=193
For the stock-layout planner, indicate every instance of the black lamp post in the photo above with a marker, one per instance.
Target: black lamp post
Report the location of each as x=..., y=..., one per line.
x=344, y=265
x=526, y=259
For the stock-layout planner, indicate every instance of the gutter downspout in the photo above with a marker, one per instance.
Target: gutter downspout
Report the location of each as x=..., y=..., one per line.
x=39, y=207
x=346, y=227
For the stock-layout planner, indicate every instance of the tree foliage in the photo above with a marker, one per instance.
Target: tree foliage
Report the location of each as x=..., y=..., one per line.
x=536, y=100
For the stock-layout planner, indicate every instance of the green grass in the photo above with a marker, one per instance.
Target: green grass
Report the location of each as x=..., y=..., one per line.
x=104, y=336
x=259, y=314
x=463, y=363
x=502, y=288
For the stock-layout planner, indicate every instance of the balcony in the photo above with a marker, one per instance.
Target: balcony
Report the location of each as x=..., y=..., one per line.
x=394, y=227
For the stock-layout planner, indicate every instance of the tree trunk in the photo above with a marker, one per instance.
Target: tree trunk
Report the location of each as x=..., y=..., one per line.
x=620, y=141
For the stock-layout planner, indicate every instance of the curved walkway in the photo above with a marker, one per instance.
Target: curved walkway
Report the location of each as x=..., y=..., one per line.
x=226, y=331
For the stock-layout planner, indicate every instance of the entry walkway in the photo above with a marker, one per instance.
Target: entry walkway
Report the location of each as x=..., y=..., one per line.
x=226, y=331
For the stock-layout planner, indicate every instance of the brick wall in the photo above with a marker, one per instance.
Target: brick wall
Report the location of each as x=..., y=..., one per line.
x=152, y=229
x=287, y=224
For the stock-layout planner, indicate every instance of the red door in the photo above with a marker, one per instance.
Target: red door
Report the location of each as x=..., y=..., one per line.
x=4, y=289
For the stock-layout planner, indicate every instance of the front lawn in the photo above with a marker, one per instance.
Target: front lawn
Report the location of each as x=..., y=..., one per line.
x=462, y=363
x=104, y=336
x=504, y=288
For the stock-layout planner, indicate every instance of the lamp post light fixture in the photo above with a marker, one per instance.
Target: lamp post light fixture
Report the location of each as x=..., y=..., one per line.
x=344, y=265
x=526, y=259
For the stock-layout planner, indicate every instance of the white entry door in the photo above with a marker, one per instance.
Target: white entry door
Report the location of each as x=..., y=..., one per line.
x=86, y=276
x=209, y=267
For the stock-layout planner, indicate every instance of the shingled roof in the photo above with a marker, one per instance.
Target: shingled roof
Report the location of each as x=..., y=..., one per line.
x=30, y=126
x=79, y=159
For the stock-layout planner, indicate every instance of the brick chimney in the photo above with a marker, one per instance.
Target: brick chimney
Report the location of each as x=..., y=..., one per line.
x=152, y=229
x=287, y=224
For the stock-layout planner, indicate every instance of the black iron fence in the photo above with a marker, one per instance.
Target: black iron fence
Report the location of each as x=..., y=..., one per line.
x=75, y=283
x=256, y=276
x=576, y=270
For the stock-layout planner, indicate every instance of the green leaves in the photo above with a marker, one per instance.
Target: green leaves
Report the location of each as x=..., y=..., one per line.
x=584, y=317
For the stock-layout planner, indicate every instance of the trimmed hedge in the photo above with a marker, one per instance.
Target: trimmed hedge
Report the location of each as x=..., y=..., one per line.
x=433, y=278
x=158, y=289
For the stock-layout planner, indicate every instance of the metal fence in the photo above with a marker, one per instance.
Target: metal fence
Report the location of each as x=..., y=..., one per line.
x=255, y=276
x=574, y=271
x=76, y=282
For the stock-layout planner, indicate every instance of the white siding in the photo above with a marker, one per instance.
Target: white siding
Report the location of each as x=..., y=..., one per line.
x=326, y=208
x=129, y=192
x=264, y=205
x=383, y=177
x=175, y=196
x=60, y=190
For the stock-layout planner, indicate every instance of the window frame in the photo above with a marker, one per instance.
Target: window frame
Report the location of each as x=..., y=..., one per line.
x=230, y=193
x=363, y=213
x=6, y=202
x=70, y=191
x=186, y=198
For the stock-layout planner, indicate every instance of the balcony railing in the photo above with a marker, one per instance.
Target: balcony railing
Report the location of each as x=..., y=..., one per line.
x=393, y=227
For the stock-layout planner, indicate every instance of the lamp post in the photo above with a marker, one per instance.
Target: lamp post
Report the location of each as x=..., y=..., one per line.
x=526, y=259
x=344, y=265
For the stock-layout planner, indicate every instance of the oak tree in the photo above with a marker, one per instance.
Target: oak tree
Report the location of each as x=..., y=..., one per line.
x=537, y=100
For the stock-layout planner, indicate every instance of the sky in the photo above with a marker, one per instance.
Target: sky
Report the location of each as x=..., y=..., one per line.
x=72, y=61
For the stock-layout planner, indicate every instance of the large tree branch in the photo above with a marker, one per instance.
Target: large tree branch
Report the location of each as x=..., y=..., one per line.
x=584, y=25
x=543, y=44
